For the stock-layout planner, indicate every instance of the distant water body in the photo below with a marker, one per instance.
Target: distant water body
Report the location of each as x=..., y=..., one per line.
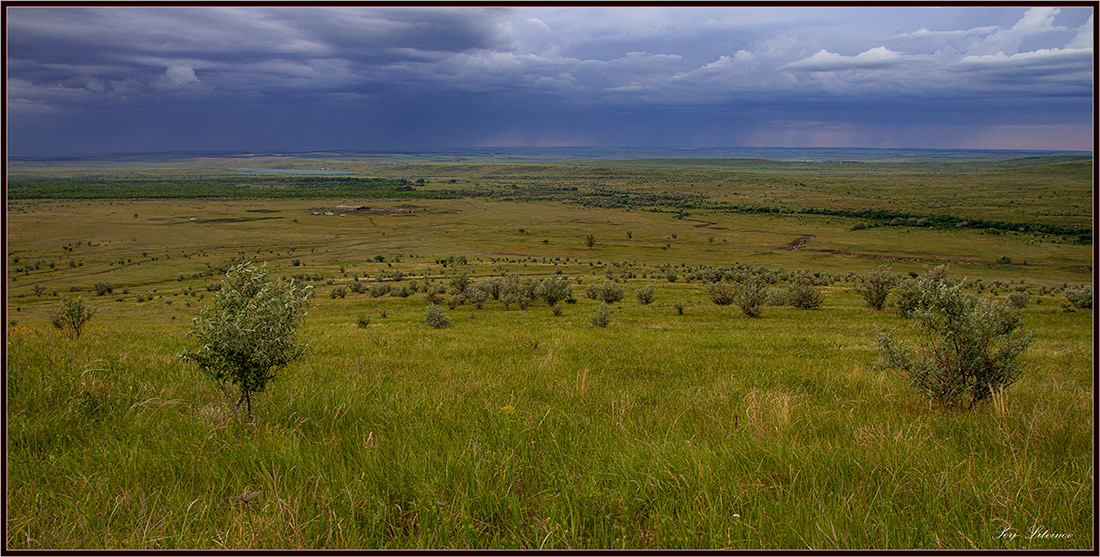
x=292, y=171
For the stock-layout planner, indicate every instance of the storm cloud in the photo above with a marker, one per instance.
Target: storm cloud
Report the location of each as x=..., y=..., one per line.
x=95, y=79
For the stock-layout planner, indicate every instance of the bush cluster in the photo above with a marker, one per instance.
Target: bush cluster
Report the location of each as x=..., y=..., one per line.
x=607, y=292
x=972, y=345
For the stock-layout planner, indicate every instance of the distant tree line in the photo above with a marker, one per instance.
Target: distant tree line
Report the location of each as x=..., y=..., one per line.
x=245, y=187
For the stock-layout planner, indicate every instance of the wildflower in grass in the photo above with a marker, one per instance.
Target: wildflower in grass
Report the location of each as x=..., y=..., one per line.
x=507, y=409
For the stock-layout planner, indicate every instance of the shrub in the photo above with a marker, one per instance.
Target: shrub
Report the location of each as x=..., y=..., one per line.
x=876, y=285
x=751, y=295
x=777, y=297
x=722, y=293
x=554, y=290
x=338, y=292
x=601, y=318
x=645, y=295
x=357, y=287
x=1019, y=299
x=1080, y=297
x=435, y=294
x=802, y=294
x=435, y=318
x=679, y=308
x=363, y=321
x=607, y=292
x=515, y=291
x=102, y=288
x=379, y=289
x=213, y=287
x=590, y=240
x=971, y=347
x=251, y=330
x=911, y=293
x=477, y=295
x=459, y=283
x=72, y=316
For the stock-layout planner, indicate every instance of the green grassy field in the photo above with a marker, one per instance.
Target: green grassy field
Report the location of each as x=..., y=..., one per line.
x=521, y=429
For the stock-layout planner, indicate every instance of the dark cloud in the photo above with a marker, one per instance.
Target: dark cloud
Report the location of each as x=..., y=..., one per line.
x=94, y=79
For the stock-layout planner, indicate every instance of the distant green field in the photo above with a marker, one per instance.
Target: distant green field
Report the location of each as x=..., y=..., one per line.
x=683, y=424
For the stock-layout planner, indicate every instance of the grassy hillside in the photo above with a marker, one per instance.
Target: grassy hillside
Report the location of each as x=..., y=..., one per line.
x=683, y=424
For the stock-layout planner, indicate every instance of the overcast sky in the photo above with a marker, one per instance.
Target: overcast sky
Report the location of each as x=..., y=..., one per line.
x=96, y=80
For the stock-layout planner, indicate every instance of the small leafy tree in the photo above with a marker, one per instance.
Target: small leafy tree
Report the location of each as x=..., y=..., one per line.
x=751, y=295
x=876, y=285
x=72, y=315
x=971, y=346
x=251, y=330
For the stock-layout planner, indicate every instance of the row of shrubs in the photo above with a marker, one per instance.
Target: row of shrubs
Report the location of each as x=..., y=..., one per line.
x=879, y=283
x=970, y=352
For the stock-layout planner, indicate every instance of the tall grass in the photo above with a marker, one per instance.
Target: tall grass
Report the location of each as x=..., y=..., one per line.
x=517, y=429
